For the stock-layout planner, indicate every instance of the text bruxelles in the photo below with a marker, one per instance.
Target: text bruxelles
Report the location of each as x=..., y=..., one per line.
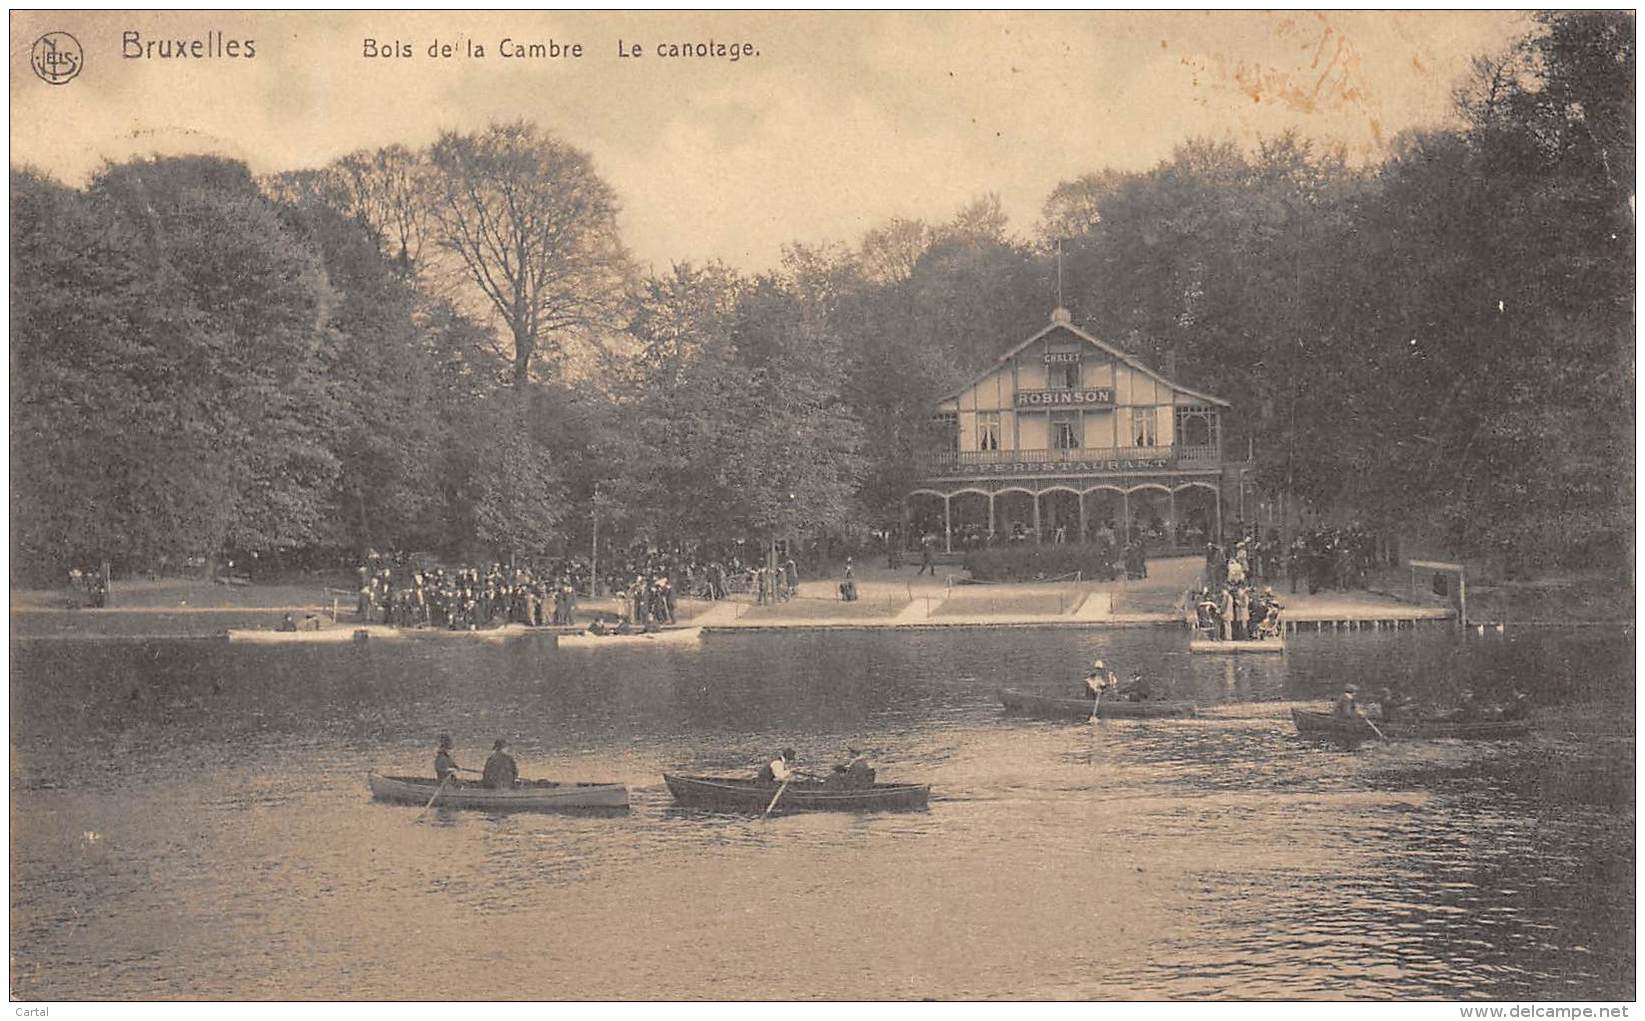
x=213, y=45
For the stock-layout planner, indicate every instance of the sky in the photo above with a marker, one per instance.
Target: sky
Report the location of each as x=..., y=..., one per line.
x=836, y=123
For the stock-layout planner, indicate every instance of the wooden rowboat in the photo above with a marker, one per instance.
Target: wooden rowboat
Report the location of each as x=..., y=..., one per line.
x=1030, y=704
x=524, y=796
x=671, y=636
x=1250, y=645
x=1327, y=724
x=345, y=633
x=736, y=794
x=342, y=634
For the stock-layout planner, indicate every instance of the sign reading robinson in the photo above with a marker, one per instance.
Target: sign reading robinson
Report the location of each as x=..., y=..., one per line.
x=1089, y=397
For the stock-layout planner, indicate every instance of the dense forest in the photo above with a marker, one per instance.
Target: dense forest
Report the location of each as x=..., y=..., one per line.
x=450, y=348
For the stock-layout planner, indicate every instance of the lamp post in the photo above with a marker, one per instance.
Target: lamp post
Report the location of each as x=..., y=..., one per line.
x=594, y=553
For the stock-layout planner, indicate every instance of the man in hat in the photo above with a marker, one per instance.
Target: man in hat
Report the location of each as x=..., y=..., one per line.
x=1518, y=707
x=445, y=764
x=1137, y=689
x=1346, y=707
x=855, y=772
x=500, y=770
x=1391, y=705
x=779, y=769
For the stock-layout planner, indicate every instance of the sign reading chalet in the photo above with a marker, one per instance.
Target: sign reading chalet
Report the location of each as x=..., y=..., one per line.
x=1087, y=397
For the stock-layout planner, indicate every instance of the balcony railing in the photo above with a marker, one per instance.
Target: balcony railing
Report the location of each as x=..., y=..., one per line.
x=1078, y=459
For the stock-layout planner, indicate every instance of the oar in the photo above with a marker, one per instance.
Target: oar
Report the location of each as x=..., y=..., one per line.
x=774, y=798
x=1373, y=727
x=437, y=792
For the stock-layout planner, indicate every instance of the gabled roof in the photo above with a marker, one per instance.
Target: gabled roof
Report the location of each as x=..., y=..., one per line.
x=1061, y=320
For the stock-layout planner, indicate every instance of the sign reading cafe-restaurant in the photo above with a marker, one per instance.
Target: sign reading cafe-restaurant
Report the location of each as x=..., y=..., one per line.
x=1087, y=397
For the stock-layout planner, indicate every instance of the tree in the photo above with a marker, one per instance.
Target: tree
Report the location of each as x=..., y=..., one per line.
x=533, y=229
x=258, y=308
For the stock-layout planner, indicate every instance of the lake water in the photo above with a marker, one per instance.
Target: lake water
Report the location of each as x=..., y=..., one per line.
x=191, y=820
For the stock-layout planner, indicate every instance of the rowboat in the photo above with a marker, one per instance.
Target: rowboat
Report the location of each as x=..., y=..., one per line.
x=1030, y=704
x=323, y=636
x=490, y=634
x=1249, y=645
x=376, y=632
x=524, y=796
x=671, y=636
x=1327, y=724
x=734, y=794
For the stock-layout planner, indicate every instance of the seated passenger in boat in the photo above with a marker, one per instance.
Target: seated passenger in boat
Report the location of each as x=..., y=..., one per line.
x=1391, y=706
x=854, y=774
x=445, y=764
x=1468, y=709
x=780, y=768
x=1518, y=707
x=1346, y=707
x=287, y=623
x=500, y=770
x=1137, y=689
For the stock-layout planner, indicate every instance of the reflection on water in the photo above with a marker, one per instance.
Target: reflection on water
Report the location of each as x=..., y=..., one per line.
x=192, y=820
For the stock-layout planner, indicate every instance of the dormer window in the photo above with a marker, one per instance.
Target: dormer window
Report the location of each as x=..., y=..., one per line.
x=1062, y=369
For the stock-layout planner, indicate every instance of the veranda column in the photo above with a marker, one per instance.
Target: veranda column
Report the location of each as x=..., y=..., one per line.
x=1082, y=515
x=990, y=517
x=1036, y=517
x=1125, y=514
x=1173, y=528
x=947, y=525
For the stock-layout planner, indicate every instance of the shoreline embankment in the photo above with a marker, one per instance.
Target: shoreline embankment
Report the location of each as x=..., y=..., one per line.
x=898, y=599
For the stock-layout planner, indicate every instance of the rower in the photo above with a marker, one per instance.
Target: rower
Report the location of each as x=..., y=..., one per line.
x=1099, y=679
x=1346, y=707
x=445, y=764
x=779, y=769
x=1468, y=709
x=500, y=770
x=1518, y=707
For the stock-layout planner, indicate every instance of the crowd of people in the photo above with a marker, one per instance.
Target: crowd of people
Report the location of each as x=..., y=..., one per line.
x=403, y=590
x=1322, y=557
x=464, y=599
x=1234, y=605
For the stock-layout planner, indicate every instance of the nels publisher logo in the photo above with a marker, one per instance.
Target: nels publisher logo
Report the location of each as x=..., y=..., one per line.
x=57, y=58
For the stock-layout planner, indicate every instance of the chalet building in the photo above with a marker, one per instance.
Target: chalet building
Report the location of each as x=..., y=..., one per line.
x=1066, y=438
